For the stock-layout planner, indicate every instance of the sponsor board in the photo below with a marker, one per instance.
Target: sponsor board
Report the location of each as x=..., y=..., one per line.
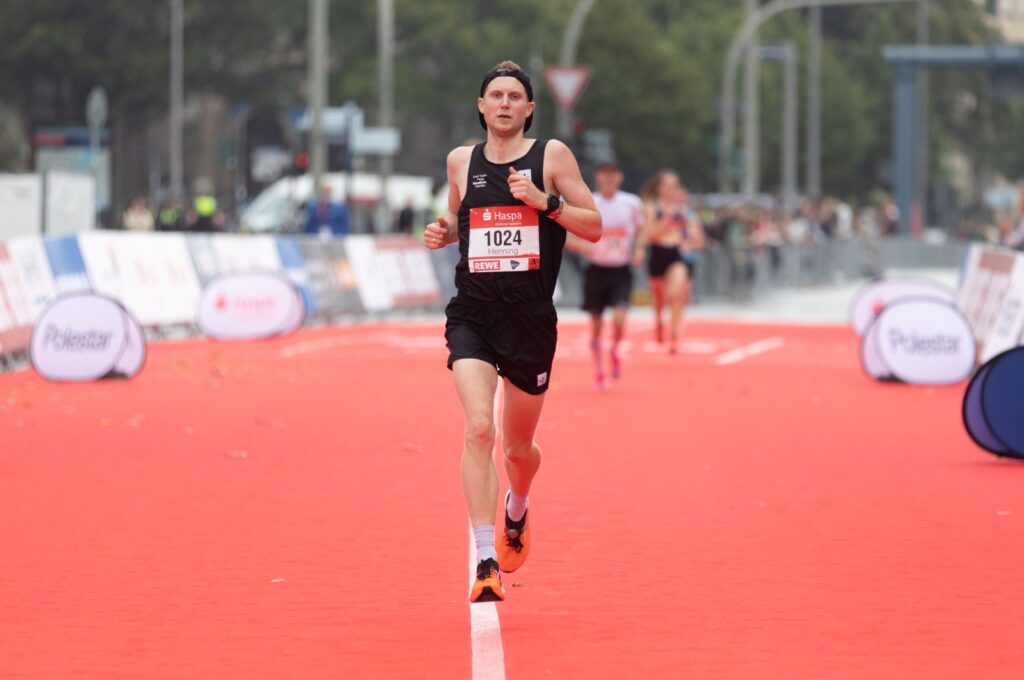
x=151, y=274
x=993, y=405
x=250, y=306
x=15, y=309
x=920, y=342
x=991, y=296
x=409, y=272
x=393, y=272
x=82, y=337
x=28, y=256
x=67, y=264
x=870, y=300
x=21, y=195
x=332, y=281
x=293, y=264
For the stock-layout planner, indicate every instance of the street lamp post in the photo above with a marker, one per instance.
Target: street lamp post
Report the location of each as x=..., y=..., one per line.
x=739, y=42
x=176, y=116
x=751, y=113
x=569, y=45
x=317, y=89
x=385, y=56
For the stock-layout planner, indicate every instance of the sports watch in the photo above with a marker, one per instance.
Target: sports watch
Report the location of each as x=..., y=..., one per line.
x=555, y=206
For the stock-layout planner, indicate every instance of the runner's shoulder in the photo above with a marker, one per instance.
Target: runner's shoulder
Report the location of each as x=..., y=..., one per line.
x=460, y=155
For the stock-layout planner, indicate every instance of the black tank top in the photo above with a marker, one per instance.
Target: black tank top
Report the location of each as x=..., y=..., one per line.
x=504, y=268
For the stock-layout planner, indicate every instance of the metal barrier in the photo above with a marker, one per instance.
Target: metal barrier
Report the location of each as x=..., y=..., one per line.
x=742, y=274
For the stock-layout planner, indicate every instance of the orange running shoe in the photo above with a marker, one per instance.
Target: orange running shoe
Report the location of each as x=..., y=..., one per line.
x=513, y=544
x=487, y=586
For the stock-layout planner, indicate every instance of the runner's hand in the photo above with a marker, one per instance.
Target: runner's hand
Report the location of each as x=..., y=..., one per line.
x=436, y=234
x=523, y=189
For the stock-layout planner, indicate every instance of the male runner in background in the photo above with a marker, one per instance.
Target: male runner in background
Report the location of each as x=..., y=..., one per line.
x=608, y=280
x=510, y=202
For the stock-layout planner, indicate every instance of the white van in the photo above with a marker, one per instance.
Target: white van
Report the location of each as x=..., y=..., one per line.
x=281, y=206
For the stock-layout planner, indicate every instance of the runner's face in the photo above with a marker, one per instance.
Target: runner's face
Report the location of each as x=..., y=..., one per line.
x=668, y=187
x=609, y=181
x=505, y=105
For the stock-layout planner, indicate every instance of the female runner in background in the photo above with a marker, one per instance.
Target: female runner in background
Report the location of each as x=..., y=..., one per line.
x=673, y=233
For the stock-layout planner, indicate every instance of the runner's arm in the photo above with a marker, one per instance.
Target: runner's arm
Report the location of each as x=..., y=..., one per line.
x=445, y=230
x=580, y=215
x=641, y=238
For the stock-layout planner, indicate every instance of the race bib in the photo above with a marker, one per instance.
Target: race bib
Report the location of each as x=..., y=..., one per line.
x=504, y=239
x=613, y=246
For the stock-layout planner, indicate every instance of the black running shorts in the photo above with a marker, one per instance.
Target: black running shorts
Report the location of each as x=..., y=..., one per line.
x=518, y=340
x=606, y=287
x=661, y=258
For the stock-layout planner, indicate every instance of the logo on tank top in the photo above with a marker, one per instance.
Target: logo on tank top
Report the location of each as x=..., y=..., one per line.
x=527, y=173
x=542, y=379
x=480, y=181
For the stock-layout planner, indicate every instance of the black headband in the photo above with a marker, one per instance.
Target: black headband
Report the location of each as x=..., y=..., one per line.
x=509, y=73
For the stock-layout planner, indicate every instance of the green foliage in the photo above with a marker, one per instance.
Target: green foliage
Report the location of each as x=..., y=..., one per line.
x=656, y=70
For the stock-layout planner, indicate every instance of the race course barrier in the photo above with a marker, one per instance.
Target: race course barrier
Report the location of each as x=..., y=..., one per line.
x=159, y=277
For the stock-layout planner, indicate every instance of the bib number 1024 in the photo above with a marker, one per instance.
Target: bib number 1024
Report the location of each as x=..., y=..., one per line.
x=504, y=237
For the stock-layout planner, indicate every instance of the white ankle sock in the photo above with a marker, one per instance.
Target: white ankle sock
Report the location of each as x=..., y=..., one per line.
x=516, y=507
x=484, y=537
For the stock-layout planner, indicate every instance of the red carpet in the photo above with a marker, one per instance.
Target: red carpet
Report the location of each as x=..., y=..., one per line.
x=291, y=509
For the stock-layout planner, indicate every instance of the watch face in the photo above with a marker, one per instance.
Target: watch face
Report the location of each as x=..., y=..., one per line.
x=553, y=203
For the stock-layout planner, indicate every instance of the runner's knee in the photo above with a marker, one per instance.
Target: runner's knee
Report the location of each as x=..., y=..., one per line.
x=519, y=450
x=480, y=433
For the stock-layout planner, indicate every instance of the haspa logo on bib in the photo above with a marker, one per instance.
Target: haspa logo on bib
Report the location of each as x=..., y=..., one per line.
x=919, y=341
x=250, y=306
x=84, y=336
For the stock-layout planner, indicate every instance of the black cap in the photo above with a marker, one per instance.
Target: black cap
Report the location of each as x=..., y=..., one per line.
x=510, y=73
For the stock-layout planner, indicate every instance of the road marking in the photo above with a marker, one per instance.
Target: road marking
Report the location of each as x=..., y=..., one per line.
x=484, y=626
x=746, y=351
x=485, y=630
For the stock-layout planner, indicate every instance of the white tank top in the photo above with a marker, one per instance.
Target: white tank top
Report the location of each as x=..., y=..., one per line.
x=621, y=217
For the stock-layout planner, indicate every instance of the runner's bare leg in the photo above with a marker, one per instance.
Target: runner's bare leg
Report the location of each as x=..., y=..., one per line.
x=519, y=425
x=476, y=382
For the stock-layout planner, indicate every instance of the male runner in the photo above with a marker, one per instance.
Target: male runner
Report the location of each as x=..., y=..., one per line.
x=608, y=281
x=510, y=202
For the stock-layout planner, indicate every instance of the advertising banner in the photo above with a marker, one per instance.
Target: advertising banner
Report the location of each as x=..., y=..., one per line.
x=151, y=274
x=250, y=306
x=70, y=203
x=66, y=264
x=921, y=342
x=294, y=266
x=393, y=272
x=85, y=336
x=406, y=264
x=332, y=280
x=28, y=256
x=15, y=310
x=243, y=253
x=870, y=300
x=22, y=199
x=991, y=296
x=374, y=287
